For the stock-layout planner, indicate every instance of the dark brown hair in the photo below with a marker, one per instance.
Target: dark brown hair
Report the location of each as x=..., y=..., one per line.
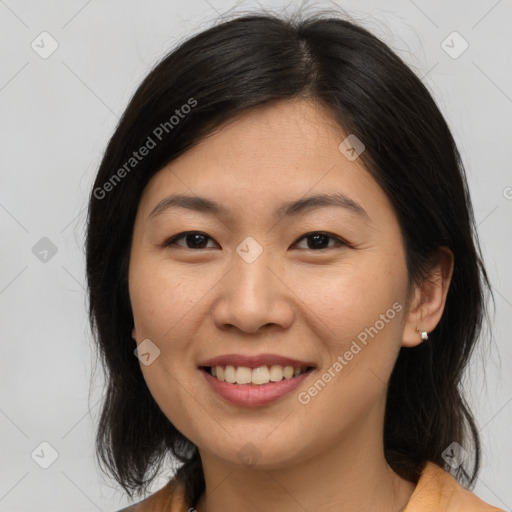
x=227, y=70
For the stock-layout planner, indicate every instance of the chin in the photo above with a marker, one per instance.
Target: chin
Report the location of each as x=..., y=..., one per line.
x=261, y=451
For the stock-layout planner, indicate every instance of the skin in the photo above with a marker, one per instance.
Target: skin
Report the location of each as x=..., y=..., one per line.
x=293, y=300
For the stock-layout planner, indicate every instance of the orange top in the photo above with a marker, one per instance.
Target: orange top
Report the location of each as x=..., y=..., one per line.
x=436, y=491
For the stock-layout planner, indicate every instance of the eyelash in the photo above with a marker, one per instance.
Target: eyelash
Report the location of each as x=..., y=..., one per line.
x=340, y=242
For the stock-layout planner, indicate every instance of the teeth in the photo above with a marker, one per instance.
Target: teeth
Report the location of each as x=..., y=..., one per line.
x=288, y=372
x=259, y=376
x=243, y=375
x=276, y=373
x=230, y=374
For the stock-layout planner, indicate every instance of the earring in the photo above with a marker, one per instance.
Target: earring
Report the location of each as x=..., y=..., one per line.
x=423, y=334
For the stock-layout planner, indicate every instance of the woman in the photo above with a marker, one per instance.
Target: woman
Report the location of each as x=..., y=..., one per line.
x=281, y=232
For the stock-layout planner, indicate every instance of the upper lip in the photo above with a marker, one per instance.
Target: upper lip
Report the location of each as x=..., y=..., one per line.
x=254, y=361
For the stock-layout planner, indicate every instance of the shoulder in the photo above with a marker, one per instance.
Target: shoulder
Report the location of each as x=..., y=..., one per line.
x=437, y=490
x=170, y=498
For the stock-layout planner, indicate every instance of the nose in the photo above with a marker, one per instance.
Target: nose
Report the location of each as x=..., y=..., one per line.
x=253, y=296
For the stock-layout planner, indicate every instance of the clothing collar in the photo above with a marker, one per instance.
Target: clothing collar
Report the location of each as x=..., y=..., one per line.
x=436, y=491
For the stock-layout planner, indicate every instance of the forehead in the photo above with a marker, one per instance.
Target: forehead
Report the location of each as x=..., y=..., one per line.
x=280, y=152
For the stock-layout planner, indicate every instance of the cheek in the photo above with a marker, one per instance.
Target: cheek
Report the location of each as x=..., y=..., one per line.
x=165, y=299
x=350, y=298
x=359, y=308
x=361, y=314
x=165, y=303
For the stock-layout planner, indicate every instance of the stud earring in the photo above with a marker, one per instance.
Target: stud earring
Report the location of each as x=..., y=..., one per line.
x=423, y=334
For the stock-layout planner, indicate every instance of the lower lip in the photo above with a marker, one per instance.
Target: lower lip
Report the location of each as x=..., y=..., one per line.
x=252, y=395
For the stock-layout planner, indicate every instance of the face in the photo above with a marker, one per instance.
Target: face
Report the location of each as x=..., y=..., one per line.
x=262, y=284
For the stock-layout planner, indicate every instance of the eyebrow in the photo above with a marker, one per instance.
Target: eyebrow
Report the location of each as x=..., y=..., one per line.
x=287, y=209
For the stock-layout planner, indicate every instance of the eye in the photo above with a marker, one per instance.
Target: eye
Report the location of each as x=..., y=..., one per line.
x=193, y=240
x=318, y=240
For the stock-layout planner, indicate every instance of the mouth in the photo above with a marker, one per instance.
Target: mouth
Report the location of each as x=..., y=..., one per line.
x=252, y=381
x=259, y=376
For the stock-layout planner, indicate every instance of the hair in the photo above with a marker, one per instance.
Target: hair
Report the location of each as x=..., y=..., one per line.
x=230, y=69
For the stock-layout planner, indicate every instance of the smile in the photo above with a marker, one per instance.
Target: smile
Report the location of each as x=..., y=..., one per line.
x=260, y=376
x=254, y=380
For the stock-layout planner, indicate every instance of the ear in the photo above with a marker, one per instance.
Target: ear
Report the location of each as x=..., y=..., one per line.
x=428, y=299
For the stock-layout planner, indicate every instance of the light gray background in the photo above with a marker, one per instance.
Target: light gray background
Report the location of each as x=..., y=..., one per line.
x=57, y=115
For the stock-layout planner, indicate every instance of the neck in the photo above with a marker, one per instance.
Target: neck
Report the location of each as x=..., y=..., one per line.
x=347, y=477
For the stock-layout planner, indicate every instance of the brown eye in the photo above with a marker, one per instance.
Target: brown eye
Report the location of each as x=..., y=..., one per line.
x=320, y=240
x=193, y=240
